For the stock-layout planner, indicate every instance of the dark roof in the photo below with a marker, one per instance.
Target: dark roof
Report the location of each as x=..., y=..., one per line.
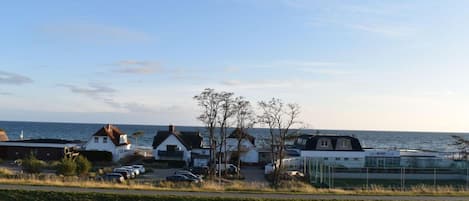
x=313, y=141
x=238, y=134
x=49, y=141
x=191, y=140
x=113, y=133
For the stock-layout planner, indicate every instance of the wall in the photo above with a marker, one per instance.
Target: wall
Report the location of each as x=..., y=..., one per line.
x=350, y=159
x=172, y=140
x=117, y=152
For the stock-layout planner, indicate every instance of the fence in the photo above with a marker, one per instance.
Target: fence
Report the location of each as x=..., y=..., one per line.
x=397, y=178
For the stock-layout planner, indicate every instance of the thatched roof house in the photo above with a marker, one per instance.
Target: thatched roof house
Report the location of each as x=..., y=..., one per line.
x=3, y=135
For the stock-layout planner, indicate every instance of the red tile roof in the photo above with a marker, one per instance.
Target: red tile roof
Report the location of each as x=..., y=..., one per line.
x=113, y=133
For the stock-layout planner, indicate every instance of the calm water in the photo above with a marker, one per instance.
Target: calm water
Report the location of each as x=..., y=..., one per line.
x=371, y=139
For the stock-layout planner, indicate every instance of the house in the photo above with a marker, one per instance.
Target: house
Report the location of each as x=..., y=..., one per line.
x=112, y=139
x=42, y=149
x=172, y=145
x=382, y=158
x=335, y=150
x=3, y=135
x=248, y=151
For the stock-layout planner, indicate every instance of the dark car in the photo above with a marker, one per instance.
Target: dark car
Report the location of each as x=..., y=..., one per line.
x=125, y=173
x=189, y=175
x=199, y=170
x=181, y=178
x=113, y=177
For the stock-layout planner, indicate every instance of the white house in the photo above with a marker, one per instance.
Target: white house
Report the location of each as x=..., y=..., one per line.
x=111, y=139
x=172, y=145
x=344, y=151
x=248, y=150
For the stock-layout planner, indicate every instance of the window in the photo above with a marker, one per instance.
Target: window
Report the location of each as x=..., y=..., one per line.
x=324, y=143
x=171, y=147
x=104, y=139
x=345, y=159
x=326, y=159
x=356, y=159
x=96, y=139
x=337, y=159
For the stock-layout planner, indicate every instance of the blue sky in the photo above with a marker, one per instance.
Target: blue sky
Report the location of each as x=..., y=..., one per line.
x=385, y=65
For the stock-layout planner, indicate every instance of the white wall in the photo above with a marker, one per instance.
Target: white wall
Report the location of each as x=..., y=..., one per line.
x=350, y=159
x=249, y=153
x=117, y=152
x=172, y=140
x=252, y=156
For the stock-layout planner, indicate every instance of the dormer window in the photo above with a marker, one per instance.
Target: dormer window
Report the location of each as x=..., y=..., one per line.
x=344, y=144
x=324, y=143
x=104, y=139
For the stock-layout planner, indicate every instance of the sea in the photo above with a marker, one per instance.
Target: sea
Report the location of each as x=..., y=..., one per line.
x=434, y=141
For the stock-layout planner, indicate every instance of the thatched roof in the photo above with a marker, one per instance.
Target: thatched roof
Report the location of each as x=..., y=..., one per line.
x=3, y=135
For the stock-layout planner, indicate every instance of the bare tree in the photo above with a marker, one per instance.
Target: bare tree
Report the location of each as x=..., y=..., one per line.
x=209, y=101
x=245, y=119
x=280, y=118
x=462, y=145
x=226, y=112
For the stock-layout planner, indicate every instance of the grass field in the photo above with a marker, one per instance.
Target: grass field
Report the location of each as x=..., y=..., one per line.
x=287, y=187
x=18, y=195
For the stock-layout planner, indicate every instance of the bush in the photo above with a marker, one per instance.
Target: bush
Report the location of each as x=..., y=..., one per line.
x=83, y=165
x=67, y=167
x=31, y=164
x=95, y=156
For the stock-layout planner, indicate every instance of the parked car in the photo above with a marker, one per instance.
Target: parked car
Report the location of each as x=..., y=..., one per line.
x=229, y=168
x=181, y=178
x=127, y=174
x=136, y=171
x=189, y=175
x=140, y=168
x=113, y=177
x=199, y=170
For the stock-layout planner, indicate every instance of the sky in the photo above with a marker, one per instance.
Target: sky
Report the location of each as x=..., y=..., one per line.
x=359, y=65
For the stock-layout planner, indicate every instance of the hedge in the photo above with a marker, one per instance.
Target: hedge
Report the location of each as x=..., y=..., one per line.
x=97, y=156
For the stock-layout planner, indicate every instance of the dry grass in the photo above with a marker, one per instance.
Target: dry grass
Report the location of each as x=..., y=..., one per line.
x=238, y=186
x=5, y=172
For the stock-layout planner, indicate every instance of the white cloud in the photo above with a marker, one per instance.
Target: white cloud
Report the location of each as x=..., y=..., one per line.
x=94, y=90
x=13, y=78
x=95, y=33
x=137, y=67
x=390, y=31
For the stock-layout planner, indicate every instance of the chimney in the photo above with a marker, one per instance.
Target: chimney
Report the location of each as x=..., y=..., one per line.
x=171, y=128
x=108, y=127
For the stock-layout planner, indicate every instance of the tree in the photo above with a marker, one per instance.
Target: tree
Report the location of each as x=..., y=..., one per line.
x=209, y=101
x=83, y=165
x=136, y=135
x=280, y=118
x=462, y=145
x=67, y=167
x=245, y=119
x=225, y=113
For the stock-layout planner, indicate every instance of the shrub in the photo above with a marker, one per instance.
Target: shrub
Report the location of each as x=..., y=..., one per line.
x=83, y=165
x=95, y=156
x=31, y=164
x=67, y=167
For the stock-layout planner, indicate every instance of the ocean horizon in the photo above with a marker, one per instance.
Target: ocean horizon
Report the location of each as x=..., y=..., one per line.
x=431, y=140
